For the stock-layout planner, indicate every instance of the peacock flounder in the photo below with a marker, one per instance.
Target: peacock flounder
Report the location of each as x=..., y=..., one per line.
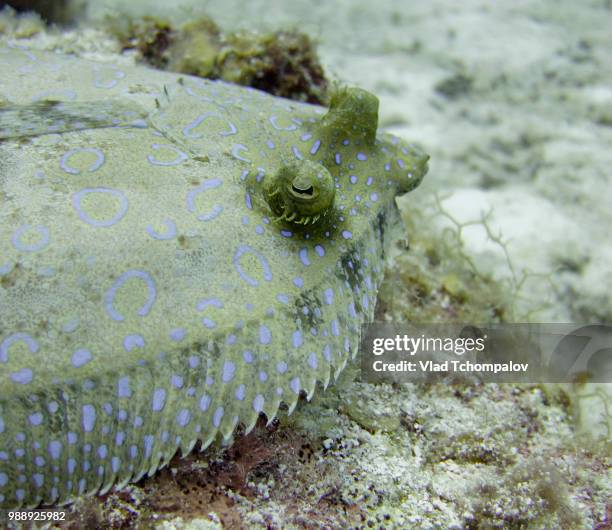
x=177, y=256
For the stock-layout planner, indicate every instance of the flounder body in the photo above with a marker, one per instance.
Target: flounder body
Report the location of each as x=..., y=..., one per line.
x=177, y=256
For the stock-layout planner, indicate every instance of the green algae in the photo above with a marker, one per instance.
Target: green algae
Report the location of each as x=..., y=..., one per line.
x=283, y=63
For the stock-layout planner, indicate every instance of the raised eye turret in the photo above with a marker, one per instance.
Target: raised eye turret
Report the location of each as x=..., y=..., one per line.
x=300, y=193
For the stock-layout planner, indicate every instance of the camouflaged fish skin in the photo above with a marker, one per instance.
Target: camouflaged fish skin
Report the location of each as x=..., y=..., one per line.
x=155, y=290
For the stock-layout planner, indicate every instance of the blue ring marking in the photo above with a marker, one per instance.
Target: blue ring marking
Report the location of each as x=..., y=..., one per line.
x=346, y=234
x=31, y=343
x=273, y=119
x=118, y=75
x=294, y=384
x=207, y=185
x=180, y=156
x=170, y=232
x=93, y=167
x=205, y=302
x=190, y=91
x=34, y=247
x=338, y=159
x=232, y=130
x=216, y=212
x=188, y=128
x=242, y=249
x=110, y=294
x=236, y=148
x=76, y=203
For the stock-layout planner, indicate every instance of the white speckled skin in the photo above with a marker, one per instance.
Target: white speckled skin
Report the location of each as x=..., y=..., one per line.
x=148, y=298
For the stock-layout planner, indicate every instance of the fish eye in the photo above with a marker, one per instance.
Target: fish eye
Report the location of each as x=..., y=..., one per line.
x=301, y=193
x=308, y=192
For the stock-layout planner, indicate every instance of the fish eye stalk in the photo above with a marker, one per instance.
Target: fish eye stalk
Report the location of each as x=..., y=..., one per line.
x=300, y=193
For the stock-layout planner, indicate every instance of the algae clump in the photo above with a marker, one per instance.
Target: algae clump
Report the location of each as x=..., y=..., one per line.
x=282, y=63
